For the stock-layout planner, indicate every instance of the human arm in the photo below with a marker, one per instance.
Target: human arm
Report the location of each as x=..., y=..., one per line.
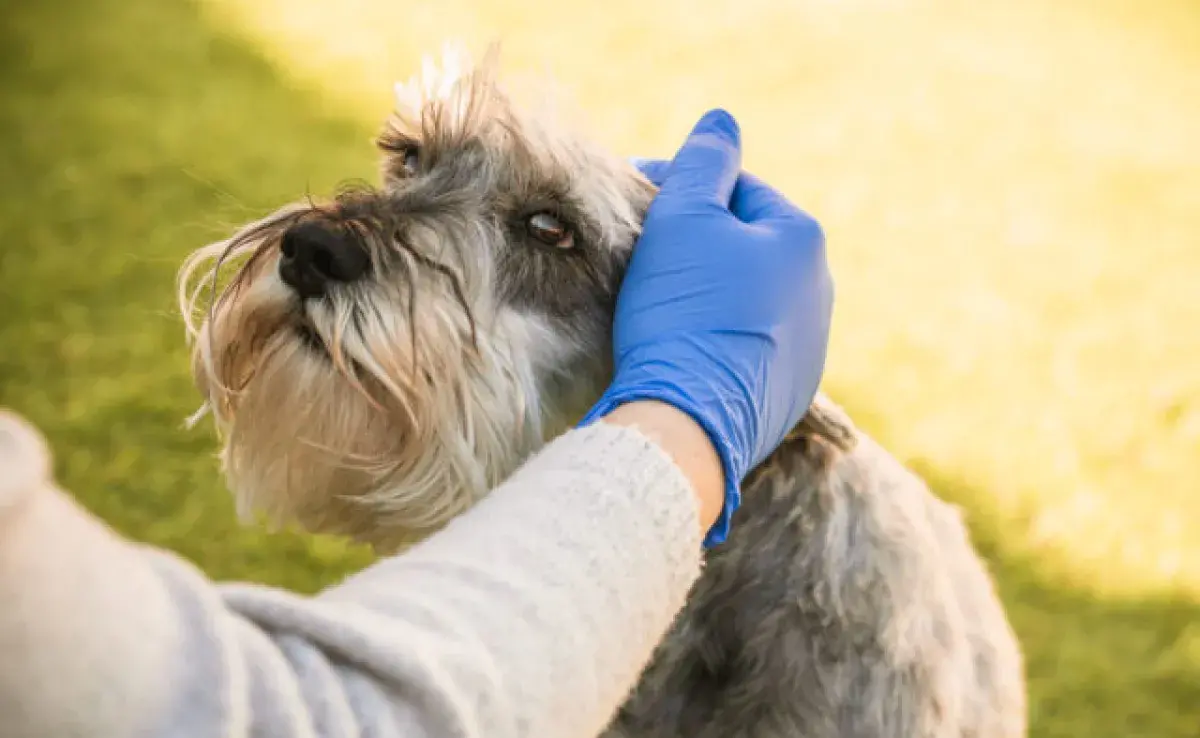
x=531, y=614
x=686, y=443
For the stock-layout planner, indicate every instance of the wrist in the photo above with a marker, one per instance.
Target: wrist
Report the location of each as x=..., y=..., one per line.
x=724, y=440
x=688, y=445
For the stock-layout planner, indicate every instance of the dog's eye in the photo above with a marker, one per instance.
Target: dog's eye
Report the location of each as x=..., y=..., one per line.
x=411, y=159
x=401, y=148
x=550, y=230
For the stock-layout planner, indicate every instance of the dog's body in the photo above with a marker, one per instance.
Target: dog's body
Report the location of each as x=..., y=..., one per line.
x=411, y=346
x=848, y=602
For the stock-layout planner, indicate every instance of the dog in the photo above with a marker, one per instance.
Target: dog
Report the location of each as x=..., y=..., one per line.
x=409, y=344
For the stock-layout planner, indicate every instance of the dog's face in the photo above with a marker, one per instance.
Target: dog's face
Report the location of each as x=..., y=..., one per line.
x=377, y=362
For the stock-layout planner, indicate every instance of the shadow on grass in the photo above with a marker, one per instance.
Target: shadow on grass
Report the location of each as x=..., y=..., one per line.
x=134, y=132
x=1096, y=666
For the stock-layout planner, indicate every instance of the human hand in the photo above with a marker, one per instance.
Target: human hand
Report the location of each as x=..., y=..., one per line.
x=725, y=309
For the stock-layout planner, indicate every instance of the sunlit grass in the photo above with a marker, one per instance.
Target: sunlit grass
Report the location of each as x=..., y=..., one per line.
x=1011, y=192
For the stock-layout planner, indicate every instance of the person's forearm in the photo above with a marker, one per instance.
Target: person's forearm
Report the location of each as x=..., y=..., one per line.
x=87, y=630
x=532, y=614
x=686, y=443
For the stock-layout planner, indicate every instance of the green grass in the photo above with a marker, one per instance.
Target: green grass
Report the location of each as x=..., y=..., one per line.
x=133, y=133
x=1012, y=196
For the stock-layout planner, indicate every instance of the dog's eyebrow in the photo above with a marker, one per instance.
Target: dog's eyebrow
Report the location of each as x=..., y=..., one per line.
x=396, y=141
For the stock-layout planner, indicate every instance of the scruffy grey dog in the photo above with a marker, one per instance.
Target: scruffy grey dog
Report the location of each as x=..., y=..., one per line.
x=410, y=345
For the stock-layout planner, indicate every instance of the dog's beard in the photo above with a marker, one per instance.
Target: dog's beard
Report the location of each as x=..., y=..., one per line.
x=358, y=415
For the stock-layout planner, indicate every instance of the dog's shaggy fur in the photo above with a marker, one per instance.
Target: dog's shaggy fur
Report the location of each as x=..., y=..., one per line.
x=848, y=600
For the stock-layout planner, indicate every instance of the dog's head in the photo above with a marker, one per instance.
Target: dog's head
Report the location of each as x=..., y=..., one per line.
x=377, y=362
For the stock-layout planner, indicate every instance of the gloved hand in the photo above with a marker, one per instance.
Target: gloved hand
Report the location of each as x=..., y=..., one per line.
x=725, y=309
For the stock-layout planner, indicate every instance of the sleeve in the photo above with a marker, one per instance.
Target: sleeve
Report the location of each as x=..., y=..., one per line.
x=530, y=615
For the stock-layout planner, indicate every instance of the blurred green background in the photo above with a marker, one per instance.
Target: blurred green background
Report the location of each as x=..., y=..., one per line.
x=1011, y=192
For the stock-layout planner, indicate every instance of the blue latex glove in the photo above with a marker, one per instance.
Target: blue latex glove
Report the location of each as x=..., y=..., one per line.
x=725, y=309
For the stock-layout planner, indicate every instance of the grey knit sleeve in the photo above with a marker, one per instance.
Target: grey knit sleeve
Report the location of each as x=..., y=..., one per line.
x=530, y=615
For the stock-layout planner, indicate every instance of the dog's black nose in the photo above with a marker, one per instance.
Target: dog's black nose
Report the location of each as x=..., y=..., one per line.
x=313, y=255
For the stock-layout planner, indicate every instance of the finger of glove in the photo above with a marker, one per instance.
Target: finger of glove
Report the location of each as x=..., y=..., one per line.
x=754, y=200
x=654, y=170
x=705, y=169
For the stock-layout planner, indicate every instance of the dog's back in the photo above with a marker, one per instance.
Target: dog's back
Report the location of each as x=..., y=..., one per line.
x=848, y=601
